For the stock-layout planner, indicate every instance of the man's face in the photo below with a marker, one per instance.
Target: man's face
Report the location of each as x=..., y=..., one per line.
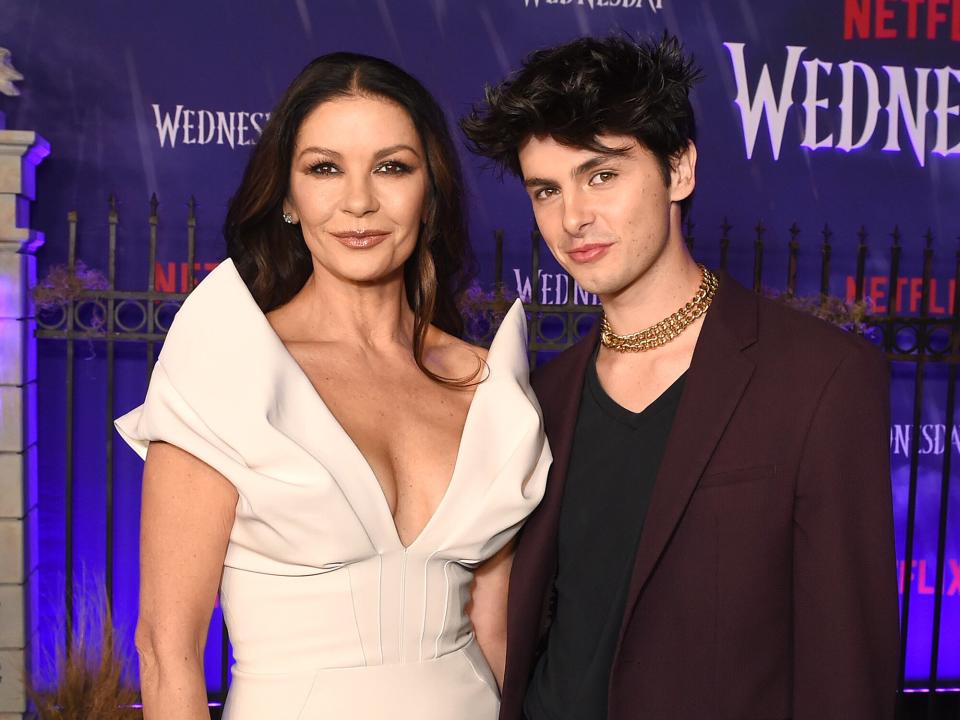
x=606, y=218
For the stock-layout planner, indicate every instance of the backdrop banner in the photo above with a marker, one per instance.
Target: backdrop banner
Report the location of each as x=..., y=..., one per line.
x=843, y=113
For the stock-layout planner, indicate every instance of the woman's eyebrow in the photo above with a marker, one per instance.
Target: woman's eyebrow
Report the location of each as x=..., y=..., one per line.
x=320, y=151
x=394, y=148
x=334, y=154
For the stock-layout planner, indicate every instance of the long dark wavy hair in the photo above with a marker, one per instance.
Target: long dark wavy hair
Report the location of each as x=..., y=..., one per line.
x=271, y=255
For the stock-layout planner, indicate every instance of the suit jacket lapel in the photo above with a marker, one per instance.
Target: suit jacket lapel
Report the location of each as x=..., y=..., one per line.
x=559, y=395
x=558, y=387
x=718, y=375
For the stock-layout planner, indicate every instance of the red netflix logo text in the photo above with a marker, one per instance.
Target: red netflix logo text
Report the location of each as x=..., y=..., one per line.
x=173, y=277
x=909, y=294
x=923, y=575
x=892, y=19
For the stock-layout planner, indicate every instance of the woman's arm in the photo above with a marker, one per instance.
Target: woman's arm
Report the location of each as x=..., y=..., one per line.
x=488, y=609
x=187, y=512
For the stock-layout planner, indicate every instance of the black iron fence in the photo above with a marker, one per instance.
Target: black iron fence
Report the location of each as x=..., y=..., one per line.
x=84, y=306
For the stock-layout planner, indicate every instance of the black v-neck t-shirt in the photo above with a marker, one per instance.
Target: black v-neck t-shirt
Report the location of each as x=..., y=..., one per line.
x=613, y=464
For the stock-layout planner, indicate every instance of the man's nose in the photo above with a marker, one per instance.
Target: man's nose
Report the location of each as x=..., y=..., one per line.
x=577, y=213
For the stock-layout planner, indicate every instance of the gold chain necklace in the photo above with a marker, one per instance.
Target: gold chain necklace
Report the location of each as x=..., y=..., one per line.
x=668, y=328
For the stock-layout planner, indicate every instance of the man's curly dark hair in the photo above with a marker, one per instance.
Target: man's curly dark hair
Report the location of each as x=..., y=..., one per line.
x=586, y=88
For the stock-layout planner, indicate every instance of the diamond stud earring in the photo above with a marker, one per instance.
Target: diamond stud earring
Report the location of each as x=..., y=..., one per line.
x=288, y=218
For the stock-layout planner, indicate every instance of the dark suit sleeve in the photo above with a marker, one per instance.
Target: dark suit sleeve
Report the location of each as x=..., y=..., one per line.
x=846, y=644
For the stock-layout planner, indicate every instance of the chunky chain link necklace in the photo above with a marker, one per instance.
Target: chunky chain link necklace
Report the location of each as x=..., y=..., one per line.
x=668, y=328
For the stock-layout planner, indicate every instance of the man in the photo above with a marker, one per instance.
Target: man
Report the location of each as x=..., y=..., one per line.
x=716, y=540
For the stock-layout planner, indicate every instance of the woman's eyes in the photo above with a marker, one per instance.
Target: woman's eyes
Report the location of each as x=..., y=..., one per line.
x=324, y=168
x=389, y=167
x=392, y=167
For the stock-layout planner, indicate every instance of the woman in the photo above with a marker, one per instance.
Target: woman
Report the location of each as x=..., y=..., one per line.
x=321, y=445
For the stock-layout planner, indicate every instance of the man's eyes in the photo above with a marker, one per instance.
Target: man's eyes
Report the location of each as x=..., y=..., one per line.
x=602, y=177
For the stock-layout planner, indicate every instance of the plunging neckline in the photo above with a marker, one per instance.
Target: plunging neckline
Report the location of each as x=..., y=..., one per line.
x=348, y=440
x=381, y=494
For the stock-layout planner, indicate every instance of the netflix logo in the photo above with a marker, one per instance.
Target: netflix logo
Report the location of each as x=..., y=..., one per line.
x=923, y=573
x=174, y=277
x=909, y=294
x=898, y=19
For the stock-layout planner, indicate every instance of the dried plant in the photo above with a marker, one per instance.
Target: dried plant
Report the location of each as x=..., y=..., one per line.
x=853, y=317
x=475, y=300
x=483, y=310
x=61, y=286
x=92, y=678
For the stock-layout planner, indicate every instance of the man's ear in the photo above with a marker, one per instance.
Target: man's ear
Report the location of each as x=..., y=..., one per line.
x=683, y=174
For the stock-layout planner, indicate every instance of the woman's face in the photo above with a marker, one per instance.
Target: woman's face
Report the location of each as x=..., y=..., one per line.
x=358, y=187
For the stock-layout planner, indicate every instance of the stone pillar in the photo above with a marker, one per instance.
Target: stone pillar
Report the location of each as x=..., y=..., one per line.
x=20, y=153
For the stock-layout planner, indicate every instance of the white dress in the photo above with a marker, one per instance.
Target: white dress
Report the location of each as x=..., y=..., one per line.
x=329, y=614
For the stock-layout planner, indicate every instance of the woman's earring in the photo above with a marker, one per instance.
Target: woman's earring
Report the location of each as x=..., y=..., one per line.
x=288, y=218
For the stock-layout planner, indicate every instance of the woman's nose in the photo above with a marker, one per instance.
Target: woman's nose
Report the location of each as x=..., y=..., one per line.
x=360, y=199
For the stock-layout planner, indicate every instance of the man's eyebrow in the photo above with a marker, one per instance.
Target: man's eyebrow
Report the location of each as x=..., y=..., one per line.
x=581, y=169
x=537, y=182
x=588, y=165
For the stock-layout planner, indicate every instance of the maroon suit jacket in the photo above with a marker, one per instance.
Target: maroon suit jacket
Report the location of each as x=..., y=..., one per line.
x=764, y=584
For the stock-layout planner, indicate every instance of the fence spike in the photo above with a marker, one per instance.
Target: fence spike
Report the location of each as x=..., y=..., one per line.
x=760, y=229
x=861, y=263
x=794, y=248
x=724, y=242
x=725, y=227
x=825, y=253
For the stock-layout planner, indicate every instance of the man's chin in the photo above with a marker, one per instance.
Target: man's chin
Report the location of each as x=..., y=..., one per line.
x=594, y=285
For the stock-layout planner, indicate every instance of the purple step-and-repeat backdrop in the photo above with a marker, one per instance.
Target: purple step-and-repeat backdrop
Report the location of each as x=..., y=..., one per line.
x=815, y=111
